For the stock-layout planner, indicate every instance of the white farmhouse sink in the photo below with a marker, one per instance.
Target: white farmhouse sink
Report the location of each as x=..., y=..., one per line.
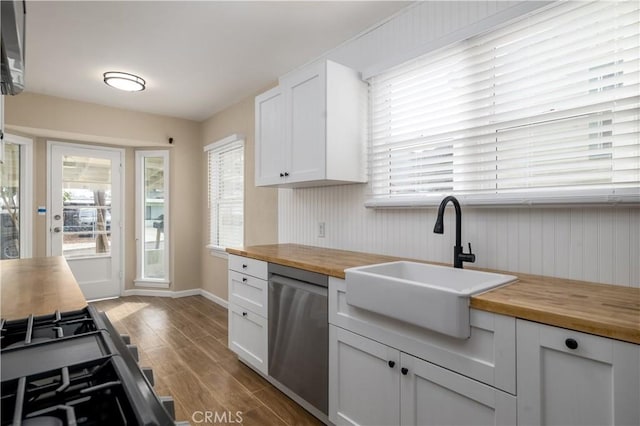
x=431, y=296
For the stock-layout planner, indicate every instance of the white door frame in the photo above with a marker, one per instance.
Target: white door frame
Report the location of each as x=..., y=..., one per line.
x=121, y=151
x=26, y=192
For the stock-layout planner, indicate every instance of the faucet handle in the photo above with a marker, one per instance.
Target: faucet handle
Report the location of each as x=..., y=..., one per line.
x=468, y=257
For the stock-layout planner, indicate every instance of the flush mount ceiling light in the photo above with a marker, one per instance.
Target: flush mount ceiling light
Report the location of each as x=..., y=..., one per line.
x=124, y=81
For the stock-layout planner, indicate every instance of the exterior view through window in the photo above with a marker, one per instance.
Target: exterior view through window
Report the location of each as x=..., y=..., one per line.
x=152, y=227
x=10, y=203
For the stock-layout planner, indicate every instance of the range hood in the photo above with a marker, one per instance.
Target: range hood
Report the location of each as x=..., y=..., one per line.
x=13, y=20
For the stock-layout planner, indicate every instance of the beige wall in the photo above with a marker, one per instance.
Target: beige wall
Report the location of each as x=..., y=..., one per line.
x=261, y=204
x=49, y=118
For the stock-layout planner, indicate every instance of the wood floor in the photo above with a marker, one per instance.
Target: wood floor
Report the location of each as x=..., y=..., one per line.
x=184, y=340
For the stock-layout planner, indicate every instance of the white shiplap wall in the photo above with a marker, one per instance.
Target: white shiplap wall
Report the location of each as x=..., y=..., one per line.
x=591, y=244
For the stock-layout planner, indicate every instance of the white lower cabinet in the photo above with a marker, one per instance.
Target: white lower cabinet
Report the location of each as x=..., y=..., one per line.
x=374, y=384
x=248, y=336
x=364, y=380
x=248, y=331
x=570, y=378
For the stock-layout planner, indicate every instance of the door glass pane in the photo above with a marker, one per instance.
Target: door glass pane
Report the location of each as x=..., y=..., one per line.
x=86, y=193
x=10, y=203
x=154, y=211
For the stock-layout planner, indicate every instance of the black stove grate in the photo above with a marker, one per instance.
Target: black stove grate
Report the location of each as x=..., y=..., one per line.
x=90, y=393
x=43, y=328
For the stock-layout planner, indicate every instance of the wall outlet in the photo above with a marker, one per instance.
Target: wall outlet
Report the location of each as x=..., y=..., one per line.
x=321, y=229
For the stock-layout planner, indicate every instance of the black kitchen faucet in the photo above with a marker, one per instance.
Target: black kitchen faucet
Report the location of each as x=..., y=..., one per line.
x=458, y=255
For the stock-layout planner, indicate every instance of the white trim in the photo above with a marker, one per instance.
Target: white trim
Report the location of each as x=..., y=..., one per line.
x=177, y=294
x=140, y=155
x=229, y=139
x=162, y=293
x=26, y=192
x=151, y=284
x=215, y=299
x=498, y=19
x=217, y=251
x=121, y=151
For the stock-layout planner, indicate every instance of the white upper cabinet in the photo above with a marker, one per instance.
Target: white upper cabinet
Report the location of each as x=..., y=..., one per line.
x=310, y=130
x=269, y=137
x=570, y=378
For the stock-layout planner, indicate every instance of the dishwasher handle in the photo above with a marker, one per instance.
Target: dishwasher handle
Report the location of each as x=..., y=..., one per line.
x=300, y=285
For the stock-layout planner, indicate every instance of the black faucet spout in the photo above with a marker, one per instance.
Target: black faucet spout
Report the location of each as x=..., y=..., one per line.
x=458, y=254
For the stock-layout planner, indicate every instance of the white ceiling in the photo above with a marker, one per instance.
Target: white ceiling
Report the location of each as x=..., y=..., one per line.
x=197, y=57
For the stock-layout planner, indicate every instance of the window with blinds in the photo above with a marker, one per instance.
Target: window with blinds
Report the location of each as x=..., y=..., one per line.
x=542, y=110
x=226, y=193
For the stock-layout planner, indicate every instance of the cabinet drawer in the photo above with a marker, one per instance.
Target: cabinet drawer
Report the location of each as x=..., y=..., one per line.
x=253, y=267
x=248, y=336
x=248, y=292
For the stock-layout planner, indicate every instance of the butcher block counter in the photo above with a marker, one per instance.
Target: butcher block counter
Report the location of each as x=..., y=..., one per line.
x=600, y=309
x=38, y=286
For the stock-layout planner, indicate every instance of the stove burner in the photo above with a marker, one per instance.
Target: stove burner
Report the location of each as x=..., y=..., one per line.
x=43, y=421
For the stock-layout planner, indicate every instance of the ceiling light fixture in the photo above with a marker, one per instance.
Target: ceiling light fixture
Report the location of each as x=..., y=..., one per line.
x=124, y=81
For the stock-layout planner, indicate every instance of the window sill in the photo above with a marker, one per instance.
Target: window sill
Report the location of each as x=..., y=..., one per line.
x=151, y=283
x=547, y=200
x=217, y=251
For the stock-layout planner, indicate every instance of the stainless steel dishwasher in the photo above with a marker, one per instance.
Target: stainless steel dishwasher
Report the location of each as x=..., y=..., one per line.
x=299, y=333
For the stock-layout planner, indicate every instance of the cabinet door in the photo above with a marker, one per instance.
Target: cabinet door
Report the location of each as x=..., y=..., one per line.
x=364, y=380
x=432, y=395
x=248, y=336
x=569, y=378
x=270, y=140
x=305, y=100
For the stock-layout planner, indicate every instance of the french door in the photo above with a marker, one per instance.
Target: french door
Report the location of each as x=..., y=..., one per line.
x=85, y=215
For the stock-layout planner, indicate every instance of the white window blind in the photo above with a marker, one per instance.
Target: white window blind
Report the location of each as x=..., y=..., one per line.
x=545, y=109
x=226, y=193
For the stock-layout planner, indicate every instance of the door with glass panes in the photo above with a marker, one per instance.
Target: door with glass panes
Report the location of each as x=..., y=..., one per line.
x=84, y=215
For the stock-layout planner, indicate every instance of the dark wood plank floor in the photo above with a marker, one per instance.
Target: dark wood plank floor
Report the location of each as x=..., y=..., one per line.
x=184, y=340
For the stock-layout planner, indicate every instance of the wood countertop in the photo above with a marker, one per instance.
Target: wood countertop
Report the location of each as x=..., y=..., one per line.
x=37, y=286
x=600, y=309
x=315, y=259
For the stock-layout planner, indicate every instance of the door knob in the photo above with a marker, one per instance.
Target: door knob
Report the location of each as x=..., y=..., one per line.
x=57, y=217
x=57, y=229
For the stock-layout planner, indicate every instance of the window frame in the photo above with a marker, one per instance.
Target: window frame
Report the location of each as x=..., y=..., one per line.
x=549, y=196
x=140, y=194
x=26, y=191
x=215, y=249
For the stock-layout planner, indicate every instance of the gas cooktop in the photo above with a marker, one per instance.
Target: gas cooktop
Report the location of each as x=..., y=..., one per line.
x=73, y=368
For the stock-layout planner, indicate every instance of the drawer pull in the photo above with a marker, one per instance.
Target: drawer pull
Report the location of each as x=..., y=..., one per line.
x=571, y=343
x=392, y=364
x=244, y=265
x=244, y=280
x=244, y=314
x=404, y=370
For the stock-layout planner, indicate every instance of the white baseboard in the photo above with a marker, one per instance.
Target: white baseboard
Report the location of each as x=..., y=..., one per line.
x=147, y=292
x=215, y=299
x=175, y=294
